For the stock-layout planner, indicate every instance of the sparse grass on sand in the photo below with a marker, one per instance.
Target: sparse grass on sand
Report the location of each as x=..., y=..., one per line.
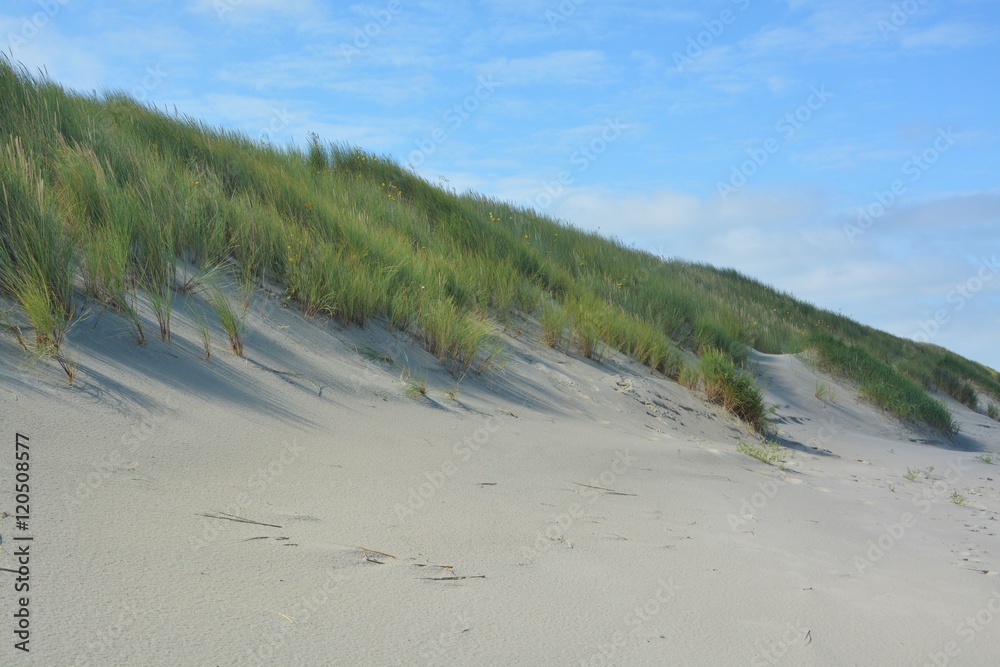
x=415, y=386
x=825, y=393
x=768, y=452
x=881, y=383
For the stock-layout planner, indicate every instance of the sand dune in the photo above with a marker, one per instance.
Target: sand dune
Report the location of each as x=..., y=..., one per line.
x=296, y=507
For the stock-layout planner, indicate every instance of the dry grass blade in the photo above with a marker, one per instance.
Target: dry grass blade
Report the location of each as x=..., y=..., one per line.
x=237, y=519
x=611, y=492
x=373, y=551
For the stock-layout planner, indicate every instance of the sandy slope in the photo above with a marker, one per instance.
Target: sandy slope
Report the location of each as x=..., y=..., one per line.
x=564, y=512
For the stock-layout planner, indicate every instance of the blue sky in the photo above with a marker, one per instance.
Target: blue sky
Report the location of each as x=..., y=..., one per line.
x=844, y=151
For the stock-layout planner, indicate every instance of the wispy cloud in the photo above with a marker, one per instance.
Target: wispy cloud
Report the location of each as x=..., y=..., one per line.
x=560, y=68
x=948, y=36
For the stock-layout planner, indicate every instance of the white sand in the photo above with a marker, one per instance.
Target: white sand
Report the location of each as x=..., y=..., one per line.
x=699, y=555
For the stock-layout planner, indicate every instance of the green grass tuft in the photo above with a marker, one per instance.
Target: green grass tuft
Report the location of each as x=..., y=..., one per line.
x=768, y=452
x=554, y=321
x=733, y=389
x=232, y=321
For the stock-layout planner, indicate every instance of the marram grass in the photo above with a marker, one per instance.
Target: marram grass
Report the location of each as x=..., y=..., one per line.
x=103, y=198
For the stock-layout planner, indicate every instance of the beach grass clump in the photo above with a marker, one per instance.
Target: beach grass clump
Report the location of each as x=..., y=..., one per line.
x=415, y=386
x=993, y=411
x=204, y=332
x=36, y=255
x=587, y=327
x=881, y=384
x=233, y=321
x=947, y=380
x=689, y=376
x=554, y=320
x=464, y=340
x=825, y=393
x=734, y=389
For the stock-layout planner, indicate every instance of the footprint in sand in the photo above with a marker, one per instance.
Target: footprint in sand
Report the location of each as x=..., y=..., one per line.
x=972, y=558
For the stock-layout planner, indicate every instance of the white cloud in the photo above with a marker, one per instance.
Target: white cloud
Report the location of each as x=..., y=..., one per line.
x=70, y=61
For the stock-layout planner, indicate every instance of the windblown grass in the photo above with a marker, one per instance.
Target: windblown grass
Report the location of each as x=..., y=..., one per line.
x=880, y=383
x=554, y=321
x=104, y=190
x=233, y=320
x=732, y=388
